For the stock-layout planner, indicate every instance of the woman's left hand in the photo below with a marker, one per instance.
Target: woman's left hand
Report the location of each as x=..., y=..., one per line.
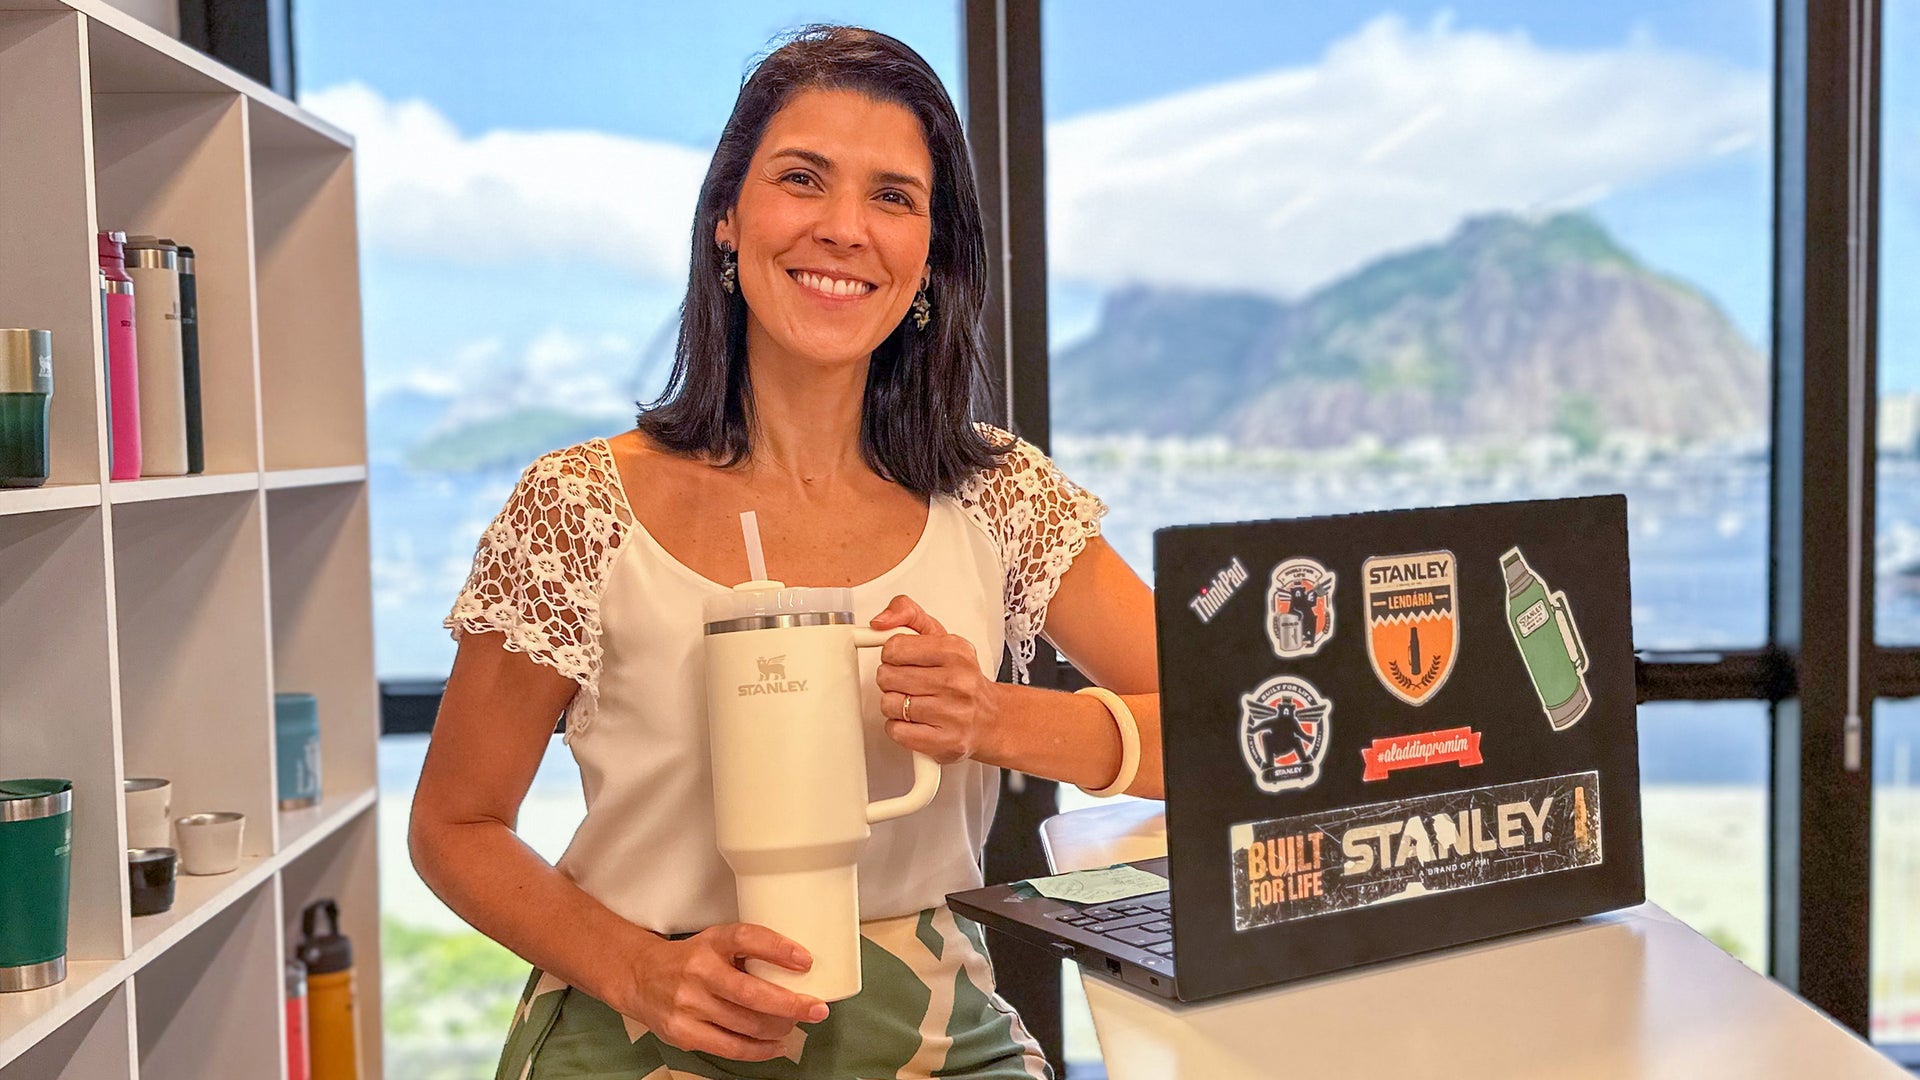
x=952, y=706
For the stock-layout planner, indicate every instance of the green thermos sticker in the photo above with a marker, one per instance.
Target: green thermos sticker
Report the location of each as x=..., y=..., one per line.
x=1550, y=645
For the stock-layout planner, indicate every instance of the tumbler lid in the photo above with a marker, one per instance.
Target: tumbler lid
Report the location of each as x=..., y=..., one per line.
x=759, y=605
x=30, y=800
x=152, y=253
x=26, y=361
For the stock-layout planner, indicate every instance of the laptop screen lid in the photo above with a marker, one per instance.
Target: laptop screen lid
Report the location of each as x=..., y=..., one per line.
x=1391, y=732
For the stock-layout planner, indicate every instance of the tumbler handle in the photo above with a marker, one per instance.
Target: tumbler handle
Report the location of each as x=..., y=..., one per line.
x=926, y=771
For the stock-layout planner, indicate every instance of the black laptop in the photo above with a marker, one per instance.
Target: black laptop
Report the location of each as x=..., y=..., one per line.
x=1383, y=734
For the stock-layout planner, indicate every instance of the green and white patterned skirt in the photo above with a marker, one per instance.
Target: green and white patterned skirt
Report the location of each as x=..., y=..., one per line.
x=927, y=1008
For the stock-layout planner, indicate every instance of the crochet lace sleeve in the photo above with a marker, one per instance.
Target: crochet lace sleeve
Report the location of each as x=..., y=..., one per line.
x=540, y=568
x=1040, y=521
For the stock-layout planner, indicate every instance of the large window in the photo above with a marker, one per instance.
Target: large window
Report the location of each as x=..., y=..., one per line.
x=1313, y=258
x=1896, y=776
x=526, y=183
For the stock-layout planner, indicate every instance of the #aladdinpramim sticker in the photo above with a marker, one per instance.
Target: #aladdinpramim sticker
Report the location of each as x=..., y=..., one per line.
x=1285, y=725
x=1299, y=608
x=1382, y=757
x=1353, y=857
x=1413, y=622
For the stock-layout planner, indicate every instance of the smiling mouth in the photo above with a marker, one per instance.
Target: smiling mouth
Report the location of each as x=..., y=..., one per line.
x=839, y=288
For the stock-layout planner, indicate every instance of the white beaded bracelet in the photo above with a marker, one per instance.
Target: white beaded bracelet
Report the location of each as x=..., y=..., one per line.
x=1129, y=741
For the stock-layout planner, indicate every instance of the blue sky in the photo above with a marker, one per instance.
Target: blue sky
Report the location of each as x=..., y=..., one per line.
x=661, y=77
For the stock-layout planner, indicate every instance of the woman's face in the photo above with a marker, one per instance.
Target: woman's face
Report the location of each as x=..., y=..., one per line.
x=832, y=225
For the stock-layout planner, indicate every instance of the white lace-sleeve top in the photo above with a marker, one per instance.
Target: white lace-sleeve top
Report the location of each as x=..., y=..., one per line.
x=569, y=576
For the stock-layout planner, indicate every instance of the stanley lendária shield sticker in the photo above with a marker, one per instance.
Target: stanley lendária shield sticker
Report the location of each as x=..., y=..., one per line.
x=1284, y=730
x=1413, y=622
x=1299, y=608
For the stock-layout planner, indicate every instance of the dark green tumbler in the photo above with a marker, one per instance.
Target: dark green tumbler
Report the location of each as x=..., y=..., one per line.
x=36, y=844
x=26, y=396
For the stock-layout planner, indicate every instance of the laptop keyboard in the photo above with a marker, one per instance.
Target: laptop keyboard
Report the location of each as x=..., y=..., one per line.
x=1142, y=922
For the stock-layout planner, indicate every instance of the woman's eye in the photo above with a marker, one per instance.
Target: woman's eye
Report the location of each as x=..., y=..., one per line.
x=799, y=177
x=899, y=198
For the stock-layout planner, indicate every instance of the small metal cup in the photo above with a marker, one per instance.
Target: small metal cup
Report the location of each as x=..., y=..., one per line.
x=210, y=843
x=150, y=878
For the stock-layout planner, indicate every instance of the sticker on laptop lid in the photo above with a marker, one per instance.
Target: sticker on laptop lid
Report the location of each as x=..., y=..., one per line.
x=1214, y=594
x=1285, y=725
x=1337, y=860
x=1299, y=608
x=1413, y=622
x=1384, y=756
x=1550, y=644
x=1121, y=881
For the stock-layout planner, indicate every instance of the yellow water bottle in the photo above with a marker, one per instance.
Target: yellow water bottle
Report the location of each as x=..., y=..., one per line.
x=333, y=1028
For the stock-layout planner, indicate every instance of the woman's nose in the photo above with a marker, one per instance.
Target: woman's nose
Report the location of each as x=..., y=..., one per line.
x=842, y=222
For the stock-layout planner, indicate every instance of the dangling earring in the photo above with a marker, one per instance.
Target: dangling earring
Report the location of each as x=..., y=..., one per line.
x=729, y=268
x=922, y=309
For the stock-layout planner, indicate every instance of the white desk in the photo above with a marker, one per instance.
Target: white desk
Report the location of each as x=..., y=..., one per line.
x=1636, y=993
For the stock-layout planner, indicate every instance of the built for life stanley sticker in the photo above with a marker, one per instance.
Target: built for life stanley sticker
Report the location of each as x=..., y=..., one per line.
x=1337, y=860
x=1413, y=622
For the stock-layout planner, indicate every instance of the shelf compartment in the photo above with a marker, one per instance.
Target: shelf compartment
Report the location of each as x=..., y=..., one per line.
x=301, y=829
x=94, y=1043
x=57, y=714
x=345, y=866
x=196, y=700
x=322, y=604
x=175, y=165
x=179, y=487
x=49, y=277
x=312, y=385
x=210, y=1004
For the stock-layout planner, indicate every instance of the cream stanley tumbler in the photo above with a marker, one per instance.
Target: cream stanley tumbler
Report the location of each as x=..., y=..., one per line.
x=790, y=771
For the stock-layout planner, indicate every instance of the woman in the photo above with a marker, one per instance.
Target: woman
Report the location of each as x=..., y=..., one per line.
x=828, y=359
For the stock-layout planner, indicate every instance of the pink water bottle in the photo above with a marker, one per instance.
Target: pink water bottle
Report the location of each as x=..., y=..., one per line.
x=123, y=360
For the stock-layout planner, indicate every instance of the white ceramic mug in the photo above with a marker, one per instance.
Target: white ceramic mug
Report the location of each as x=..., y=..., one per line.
x=149, y=804
x=790, y=772
x=210, y=843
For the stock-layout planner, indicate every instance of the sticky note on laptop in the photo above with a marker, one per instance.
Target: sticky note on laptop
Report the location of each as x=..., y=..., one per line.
x=1099, y=886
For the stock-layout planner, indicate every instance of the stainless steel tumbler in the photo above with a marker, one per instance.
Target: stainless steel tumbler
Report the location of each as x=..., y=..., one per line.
x=36, y=845
x=26, y=396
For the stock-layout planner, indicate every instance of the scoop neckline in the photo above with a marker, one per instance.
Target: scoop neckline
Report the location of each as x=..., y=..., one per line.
x=695, y=576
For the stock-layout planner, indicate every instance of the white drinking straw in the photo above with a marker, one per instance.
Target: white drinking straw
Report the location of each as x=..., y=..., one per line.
x=756, y=559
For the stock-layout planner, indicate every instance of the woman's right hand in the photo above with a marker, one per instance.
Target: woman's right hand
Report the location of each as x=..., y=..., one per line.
x=693, y=993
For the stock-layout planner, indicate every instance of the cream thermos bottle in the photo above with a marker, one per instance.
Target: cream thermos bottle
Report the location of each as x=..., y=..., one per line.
x=790, y=771
x=154, y=266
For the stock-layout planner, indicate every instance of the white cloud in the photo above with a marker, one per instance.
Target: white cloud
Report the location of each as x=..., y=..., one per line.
x=426, y=189
x=1283, y=181
x=1276, y=183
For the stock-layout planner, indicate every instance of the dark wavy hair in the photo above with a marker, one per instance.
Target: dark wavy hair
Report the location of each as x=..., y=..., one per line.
x=924, y=387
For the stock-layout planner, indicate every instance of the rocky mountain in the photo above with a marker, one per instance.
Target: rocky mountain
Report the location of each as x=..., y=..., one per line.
x=1508, y=329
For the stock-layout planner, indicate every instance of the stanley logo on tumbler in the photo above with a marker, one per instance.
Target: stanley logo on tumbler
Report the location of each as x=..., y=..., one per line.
x=773, y=678
x=1413, y=622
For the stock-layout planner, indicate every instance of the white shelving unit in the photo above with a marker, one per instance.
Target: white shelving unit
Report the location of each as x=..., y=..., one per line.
x=150, y=622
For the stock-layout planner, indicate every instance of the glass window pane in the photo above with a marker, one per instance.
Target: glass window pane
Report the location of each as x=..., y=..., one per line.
x=449, y=991
x=526, y=190
x=1311, y=258
x=1897, y=495
x=1703, y=789
x=1895, y=933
